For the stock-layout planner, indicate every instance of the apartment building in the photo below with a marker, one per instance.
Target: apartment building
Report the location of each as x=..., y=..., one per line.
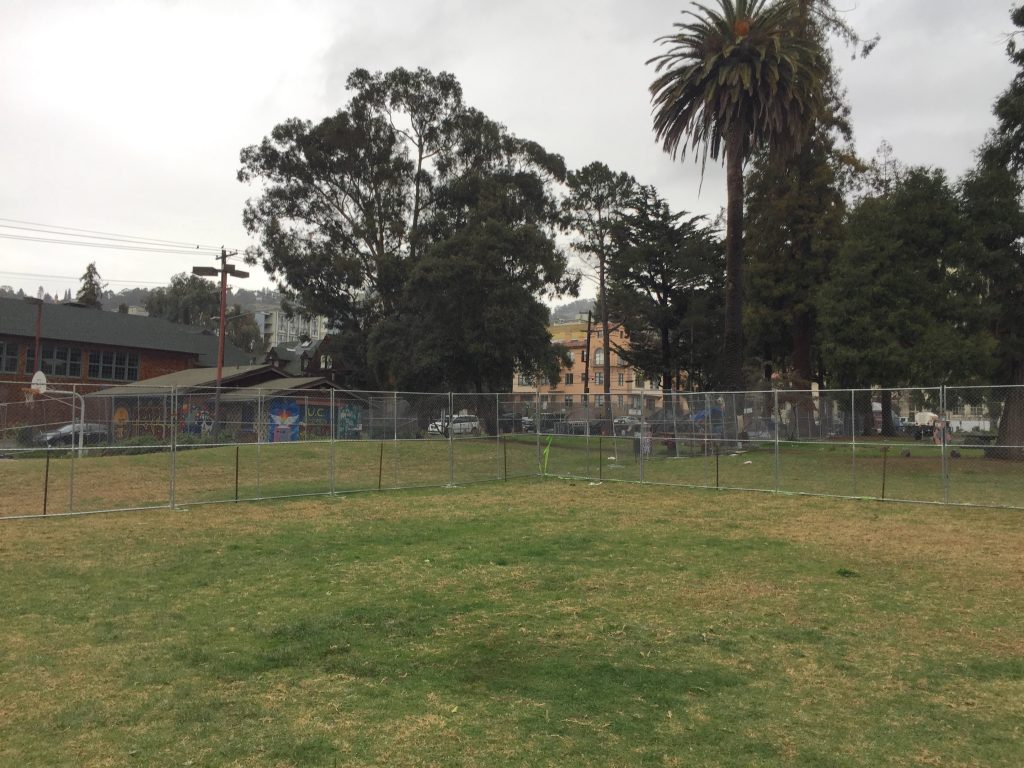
x=580, y=388
x=278, y=328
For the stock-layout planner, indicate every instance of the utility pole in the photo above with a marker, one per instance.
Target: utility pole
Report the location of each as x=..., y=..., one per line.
x=586, y=364
x=225, y=270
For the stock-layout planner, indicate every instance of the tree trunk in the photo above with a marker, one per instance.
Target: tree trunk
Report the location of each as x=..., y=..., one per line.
x=802, y=349
x=888, y=427
x=732, y=354
x=1010, y=436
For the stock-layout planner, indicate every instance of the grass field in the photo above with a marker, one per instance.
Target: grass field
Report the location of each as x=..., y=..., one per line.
x=106, y=479
x=542, y=623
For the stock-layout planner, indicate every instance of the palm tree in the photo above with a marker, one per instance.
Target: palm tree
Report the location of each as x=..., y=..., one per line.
x=736, y=79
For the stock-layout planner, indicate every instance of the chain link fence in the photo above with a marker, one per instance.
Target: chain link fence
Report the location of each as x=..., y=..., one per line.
x=138, y=446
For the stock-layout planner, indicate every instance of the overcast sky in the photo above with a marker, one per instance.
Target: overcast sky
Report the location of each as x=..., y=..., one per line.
x=128, y=117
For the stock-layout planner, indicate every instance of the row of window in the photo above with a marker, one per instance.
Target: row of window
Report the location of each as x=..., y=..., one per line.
x=635, y=401
x=57, y=360
x=598, y=357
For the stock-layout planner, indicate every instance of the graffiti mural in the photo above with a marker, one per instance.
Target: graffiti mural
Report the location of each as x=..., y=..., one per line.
x=285, y=416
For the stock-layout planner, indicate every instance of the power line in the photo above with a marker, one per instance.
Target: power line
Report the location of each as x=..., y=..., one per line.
x=147, y=242
x=107, y=246
x=114, y=234
x=71, y=277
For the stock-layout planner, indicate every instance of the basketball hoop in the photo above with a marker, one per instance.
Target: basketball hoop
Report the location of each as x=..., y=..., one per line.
x=29, y=394
x=39, y=383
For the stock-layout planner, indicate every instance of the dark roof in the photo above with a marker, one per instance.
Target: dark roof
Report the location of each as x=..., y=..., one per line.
x=192, y=378
x=92, y=326
x=290, y=352
x=279, y=386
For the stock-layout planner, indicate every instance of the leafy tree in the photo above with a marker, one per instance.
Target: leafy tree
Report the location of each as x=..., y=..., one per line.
x=91, y=292
x=796, y=206
x=189, y=299
x=993, y=195
x=736, y=79
x=242, y=331
x=894, y=311
x=665, y=284
x=597, y=196
x=352, y=206
x=469, y=318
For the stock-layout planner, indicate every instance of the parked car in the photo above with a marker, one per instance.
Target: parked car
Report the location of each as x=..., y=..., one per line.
x=626, y=425
x=457, y=425
x=579, y=427
x=510, y=422
x=92, y=434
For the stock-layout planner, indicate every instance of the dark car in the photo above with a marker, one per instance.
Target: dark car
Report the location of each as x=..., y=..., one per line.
x=92, y=434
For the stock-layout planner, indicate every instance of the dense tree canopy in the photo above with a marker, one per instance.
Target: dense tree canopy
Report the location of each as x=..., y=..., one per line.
x=189, y=299
x=993, y=195
x=593, y=208
x=357, y=209
x=896, y=310
x=666, y=286
x=796, y=207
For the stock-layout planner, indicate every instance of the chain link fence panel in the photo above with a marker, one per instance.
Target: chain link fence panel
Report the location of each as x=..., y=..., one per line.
x=139, y=446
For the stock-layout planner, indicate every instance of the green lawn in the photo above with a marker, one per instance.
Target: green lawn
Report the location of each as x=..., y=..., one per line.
x=541, y=623
x=107, y=479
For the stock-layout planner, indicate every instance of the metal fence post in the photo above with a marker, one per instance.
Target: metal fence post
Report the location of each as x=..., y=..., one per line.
x=260, y=423
x=708, y=423
x=81, y=437
x=643, y=438
x=944, y=423
x=174, y=445
x=536, y=425
x=333, y=433
x=497, y=436
x=451, y=448
x=853, y=438
x=775, y=418
x=395, y=464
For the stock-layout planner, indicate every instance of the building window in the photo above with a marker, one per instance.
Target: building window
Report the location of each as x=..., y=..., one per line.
x=619, y=401
x=113, y=365
x=57, y=361
x=599, y=357
x=567, y=379
x=599, y=377
x=8, y=357
x=525, y=380
x=622, y=379
x=599, y=401
x=639, y=380
x=570, y=356
x=635, y=402
x=568, y=401
x=583, y=355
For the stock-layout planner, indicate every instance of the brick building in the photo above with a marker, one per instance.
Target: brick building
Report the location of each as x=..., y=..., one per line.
x=94, y=349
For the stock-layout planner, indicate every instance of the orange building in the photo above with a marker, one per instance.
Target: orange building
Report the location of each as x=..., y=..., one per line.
x=579, y=399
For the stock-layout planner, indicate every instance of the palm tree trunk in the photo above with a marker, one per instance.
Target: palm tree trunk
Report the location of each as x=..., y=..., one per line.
x=732, y=363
